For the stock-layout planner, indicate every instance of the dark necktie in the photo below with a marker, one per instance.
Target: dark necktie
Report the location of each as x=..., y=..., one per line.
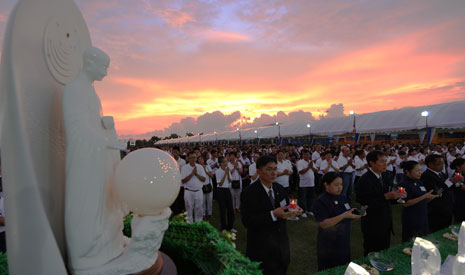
x=381, y=181
x=442, y=176
x=270, y=194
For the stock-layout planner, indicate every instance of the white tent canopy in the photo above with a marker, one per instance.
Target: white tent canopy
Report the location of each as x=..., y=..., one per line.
x=446, y=115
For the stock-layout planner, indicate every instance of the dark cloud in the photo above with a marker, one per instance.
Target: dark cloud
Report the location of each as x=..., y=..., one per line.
x=216, y=121
x=219, y=122
x=335, y=110
x=206, y=123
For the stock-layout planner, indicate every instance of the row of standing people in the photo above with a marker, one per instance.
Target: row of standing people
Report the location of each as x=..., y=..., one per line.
x=428, y=206
x=377, y=210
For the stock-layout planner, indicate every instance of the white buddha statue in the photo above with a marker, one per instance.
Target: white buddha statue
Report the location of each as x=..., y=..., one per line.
x=93, y=218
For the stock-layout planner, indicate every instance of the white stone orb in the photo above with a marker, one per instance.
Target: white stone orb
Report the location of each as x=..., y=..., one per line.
x=147, y=181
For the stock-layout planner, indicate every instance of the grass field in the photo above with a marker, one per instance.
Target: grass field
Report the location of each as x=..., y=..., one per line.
x=302, y=237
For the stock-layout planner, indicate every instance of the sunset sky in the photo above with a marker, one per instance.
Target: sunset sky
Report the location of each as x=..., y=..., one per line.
x=204, y=66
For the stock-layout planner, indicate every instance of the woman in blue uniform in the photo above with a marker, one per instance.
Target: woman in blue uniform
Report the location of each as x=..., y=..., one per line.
x=458, y=165
x=333, y=212
x=415, y=211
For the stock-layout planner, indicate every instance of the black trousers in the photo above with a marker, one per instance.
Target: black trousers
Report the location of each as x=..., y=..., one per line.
x=178, y=205
x=3, y=242
x=215, y=186
x=245, y=182
x=274, y=269
x=319, y=188
x=376, y=241
x=439, y=221
x=224, y=198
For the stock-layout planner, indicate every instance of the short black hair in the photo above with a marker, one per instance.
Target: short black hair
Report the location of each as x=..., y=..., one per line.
x=177, y=148
x=329, y=177
x=373, y=156
x=432, y=159
x=408, y=165
x=304, y=151
x=457, y=162
x=191, y=153
x=264, y=160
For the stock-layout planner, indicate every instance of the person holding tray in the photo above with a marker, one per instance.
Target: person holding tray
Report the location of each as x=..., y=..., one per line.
x=334, y=214
x=415, y=210
x=458, y=165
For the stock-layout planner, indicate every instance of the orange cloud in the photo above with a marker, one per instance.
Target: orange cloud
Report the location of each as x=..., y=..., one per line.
x=174, y=17
x=294, y=56
x=369, y=79
x=144, y=124
x=225, y=36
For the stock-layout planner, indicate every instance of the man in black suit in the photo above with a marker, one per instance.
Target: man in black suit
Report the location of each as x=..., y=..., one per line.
x=440, y=210
x=372, y=189
x=263, y=209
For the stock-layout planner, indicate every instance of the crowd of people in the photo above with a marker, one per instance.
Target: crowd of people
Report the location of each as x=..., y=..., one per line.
x=2, y=215
x=258, y=181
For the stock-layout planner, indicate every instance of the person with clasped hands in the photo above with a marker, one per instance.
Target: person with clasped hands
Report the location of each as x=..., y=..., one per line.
x=193, y=176
x=224, y=197
x=372, y=190
x=264, y=209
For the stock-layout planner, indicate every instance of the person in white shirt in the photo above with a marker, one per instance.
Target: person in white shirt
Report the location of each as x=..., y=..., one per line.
x=213, y=163
x=253, y=168
x=399, y=171
x=244, y=160
x=451, y=156
x=361, y=165
x=365, y=149
x=391, y=161
x=224, y=196
x=452, y=151
x=207, y=188
x=2, y=218
x=346, y=168
x=460, y=149
x=193, y=176
x=245, y=178
x=178, y=205
x=316, y=153
x=421, y=159
x=328, y=164
x=319, y=188
x=176, y=152
x=235, y=168
x=284, y=171
x=306, y=170
x=413, y=155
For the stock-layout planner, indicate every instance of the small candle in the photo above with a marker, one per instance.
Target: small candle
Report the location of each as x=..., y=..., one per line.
x=457, y=175
x=293, y=205
x=401, y=190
